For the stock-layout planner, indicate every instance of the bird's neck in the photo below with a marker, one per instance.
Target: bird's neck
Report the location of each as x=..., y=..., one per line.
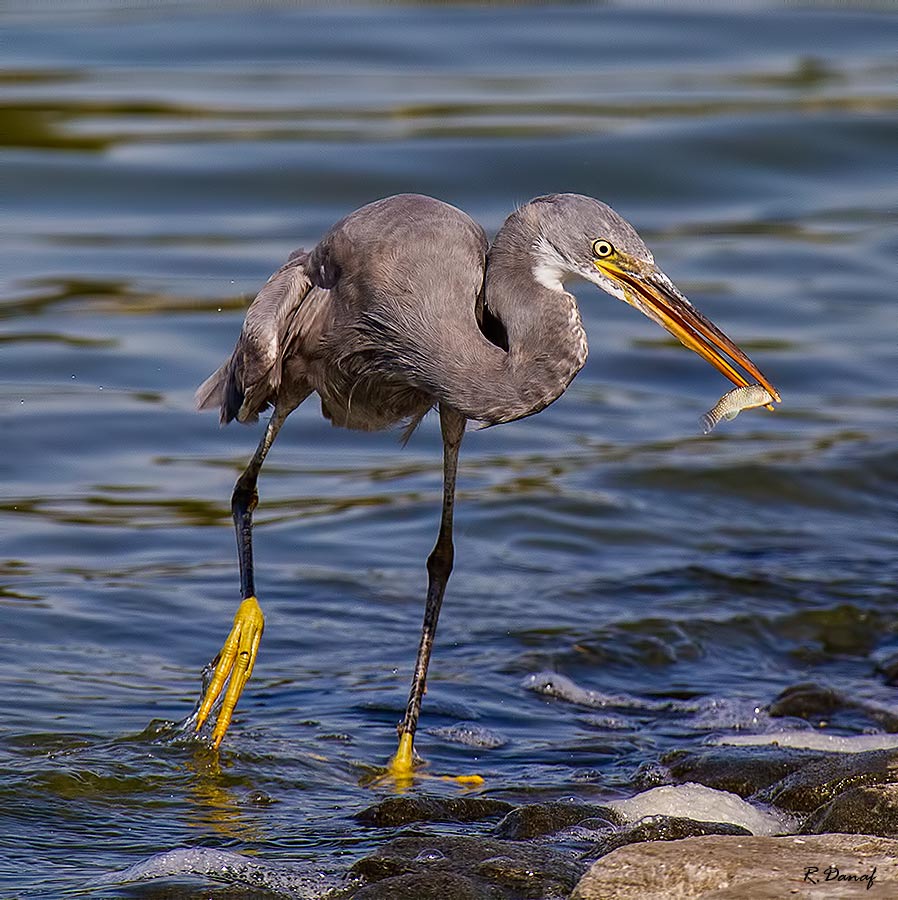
x=528, y=348
x=546, y=341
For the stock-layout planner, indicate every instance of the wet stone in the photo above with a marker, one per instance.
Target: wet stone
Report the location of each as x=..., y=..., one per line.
x=739, y=770
x=537, y=819
x=463, y=867
x=807, y=701
x=661, y=828
x=424, y=886
x=823, y=779
x=870, y=809
x=396, y=811
x=887, y=666
x=818, y=702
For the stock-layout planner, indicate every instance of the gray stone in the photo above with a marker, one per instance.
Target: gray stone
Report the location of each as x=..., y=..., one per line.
x=872, y=809
x=482, y=868
x=537, y=819
x=739, y=770
x=395, y=811
x=807, y=700
x=425, y=886
x=811, y=867
x=660, y=828
x=820, y=780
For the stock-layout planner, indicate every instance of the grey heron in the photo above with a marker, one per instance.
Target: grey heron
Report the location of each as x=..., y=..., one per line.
x=404, y=305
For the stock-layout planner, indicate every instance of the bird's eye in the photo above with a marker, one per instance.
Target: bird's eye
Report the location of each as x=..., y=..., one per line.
x=602, y=249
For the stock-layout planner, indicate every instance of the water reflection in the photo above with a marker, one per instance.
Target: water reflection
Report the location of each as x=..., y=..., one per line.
x=215, y=806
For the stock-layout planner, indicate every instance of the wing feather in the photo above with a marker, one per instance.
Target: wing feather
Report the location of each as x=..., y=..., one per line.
x=249, y=381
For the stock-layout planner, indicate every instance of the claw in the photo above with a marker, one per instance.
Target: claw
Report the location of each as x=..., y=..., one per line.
x=234, y=667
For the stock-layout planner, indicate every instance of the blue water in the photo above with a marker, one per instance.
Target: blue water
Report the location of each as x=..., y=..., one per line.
x=159, y=161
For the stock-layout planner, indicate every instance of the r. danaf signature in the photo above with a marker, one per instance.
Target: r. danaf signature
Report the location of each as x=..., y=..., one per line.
x=814, y=875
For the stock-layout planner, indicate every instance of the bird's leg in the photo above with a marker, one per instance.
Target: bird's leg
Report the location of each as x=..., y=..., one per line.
x=439, y=566
x=234, y=664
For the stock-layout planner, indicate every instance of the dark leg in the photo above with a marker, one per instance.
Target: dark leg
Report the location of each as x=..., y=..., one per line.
x=238, y=656
x=439, y=567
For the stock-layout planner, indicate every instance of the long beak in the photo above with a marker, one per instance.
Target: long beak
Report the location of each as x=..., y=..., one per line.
x=653, y=293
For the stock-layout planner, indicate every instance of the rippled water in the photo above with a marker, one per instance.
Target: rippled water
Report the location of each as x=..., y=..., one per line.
x=160, y=160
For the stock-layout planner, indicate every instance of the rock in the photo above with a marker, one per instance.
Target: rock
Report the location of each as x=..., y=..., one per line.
x=819, y=781
x=537, y=819
x=817, y=702
x=660, y=828
x=428, y=886
x=433, y=866
x=807, y=701
x=739, y=770
x=859, y=810
x=817, y=867
x=887, y=666
x=396, y=811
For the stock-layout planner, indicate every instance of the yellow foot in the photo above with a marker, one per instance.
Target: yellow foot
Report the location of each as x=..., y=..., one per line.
x=402, y=765
x=235, y=662
x=401, y=768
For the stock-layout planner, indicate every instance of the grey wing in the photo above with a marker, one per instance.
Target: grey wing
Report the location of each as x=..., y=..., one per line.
x=250, y=381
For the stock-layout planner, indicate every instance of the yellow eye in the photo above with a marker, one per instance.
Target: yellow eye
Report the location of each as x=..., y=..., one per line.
x=602, y=249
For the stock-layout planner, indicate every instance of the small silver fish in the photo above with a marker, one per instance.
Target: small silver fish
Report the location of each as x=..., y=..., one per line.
x=733, y=402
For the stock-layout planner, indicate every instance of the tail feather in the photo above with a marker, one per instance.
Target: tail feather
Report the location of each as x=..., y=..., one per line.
x=249, y=381
x=222, y=391
x=209, y=394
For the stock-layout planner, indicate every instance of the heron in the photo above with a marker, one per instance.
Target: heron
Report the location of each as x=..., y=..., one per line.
x=405, y=306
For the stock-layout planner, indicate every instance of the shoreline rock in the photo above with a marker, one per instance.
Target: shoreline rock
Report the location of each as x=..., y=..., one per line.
x=716, y=867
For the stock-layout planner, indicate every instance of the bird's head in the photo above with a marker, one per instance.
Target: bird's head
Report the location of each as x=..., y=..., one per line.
x=582, y=237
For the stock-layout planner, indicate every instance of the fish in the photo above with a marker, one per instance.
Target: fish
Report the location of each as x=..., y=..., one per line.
x=733, y=402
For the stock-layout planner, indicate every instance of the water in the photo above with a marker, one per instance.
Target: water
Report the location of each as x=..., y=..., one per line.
x=160, y=160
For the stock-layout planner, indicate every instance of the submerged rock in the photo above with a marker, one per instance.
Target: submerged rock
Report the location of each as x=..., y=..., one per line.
x=440, y=867
x=887, y=666
x=818, y=867
x=812, y=701
x=871, y=809
x=395, y=811
x=807, y=701
x=537, y=819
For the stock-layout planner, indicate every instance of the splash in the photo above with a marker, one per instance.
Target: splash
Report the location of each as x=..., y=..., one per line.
x=553, y=684
x=231, y=868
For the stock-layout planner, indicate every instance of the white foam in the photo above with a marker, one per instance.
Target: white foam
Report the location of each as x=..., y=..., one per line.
x=815, y=740
x=704, y=804
x=554, y=684
x=224, y=866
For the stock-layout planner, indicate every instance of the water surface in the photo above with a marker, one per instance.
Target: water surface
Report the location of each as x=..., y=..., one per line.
x=160, y=160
